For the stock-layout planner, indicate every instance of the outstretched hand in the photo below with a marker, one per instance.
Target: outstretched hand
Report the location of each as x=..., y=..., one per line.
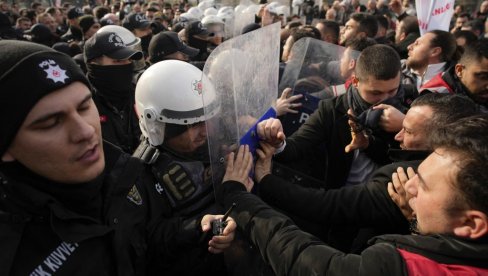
x=238, y=168
x=285, y=103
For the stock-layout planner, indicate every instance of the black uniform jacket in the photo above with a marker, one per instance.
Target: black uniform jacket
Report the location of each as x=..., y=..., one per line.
x=40, y=236
x=119, y=126
x=291, y=251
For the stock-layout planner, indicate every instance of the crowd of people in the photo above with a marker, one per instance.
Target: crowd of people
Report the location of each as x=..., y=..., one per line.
x=106, y=165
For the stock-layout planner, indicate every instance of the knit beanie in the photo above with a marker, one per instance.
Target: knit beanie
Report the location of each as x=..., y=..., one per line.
x=28, y=72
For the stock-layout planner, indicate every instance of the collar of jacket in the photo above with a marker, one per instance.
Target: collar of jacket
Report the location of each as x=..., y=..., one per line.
x=398, y=155
x=446, y=249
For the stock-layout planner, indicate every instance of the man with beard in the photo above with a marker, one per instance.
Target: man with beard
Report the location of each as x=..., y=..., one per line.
x=369, y=205
x=358, y=26
x=138, y=24
x=429, y=55
x=468, y=77
x=449, y=194
x=110, y=71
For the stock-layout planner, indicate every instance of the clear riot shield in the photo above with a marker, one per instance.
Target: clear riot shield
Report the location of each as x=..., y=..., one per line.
x=244, y=73
x=244, y=15
x=317, y=70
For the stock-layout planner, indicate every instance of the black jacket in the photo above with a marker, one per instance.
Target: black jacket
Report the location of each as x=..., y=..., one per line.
x=133, y=230
x=328, y=124
x=291, y=251
x=367, y=205
x=73, y=34
x=120, y=126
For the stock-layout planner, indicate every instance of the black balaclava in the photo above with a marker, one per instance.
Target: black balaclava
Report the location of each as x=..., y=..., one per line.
x=145, y=43
x=114, y=82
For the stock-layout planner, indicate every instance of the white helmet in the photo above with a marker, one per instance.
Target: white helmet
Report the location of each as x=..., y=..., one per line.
x=206, y=4
x=239, y=9
x=226, y=10
x=210, y=11
x=186, y=17
x=196, y=13
x=211, y=19
x=170, y=91
x=272, y=7
x=129, y=39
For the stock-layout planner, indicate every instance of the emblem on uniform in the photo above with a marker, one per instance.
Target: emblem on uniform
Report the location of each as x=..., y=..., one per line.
x=158, y=187
x=134, y=196
x=197, y=86
x=54, y=72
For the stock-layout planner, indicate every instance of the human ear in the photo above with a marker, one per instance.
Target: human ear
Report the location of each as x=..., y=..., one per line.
x=458, y=69
x=475, y=225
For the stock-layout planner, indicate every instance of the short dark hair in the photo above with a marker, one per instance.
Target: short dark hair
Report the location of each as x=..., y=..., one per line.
x=100, y=11
x=332, y=27
x=410, y=25
x=378, y=61
x=51, y=11
x=446, y=108
x=447, y=42
x=359, y=44
x=34, y=5
x=382, y=21
x=475, y=52
x=306, y=31
x=367, y=23
x=465, y=14
x=467, y=138
x=475, y=25
x=469, y=36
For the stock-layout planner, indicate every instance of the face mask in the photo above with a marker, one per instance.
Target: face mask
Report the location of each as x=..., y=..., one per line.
x=112, y=81
x=198, y=43
x=145, y=42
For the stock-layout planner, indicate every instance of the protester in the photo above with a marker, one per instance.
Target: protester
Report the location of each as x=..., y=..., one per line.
x=467, y=77
x=448, y=198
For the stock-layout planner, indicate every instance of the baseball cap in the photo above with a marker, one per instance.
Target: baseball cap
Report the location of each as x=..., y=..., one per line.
x=196, y=28
x=136, y=21
x=74, y=12
x=109, y=44
x=166, y=43
x=39, y=32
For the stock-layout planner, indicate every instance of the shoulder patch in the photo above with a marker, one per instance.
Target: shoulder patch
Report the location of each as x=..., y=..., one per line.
x=134, y=196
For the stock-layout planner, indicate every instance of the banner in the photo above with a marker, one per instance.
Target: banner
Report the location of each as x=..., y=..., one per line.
x=434, y=14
